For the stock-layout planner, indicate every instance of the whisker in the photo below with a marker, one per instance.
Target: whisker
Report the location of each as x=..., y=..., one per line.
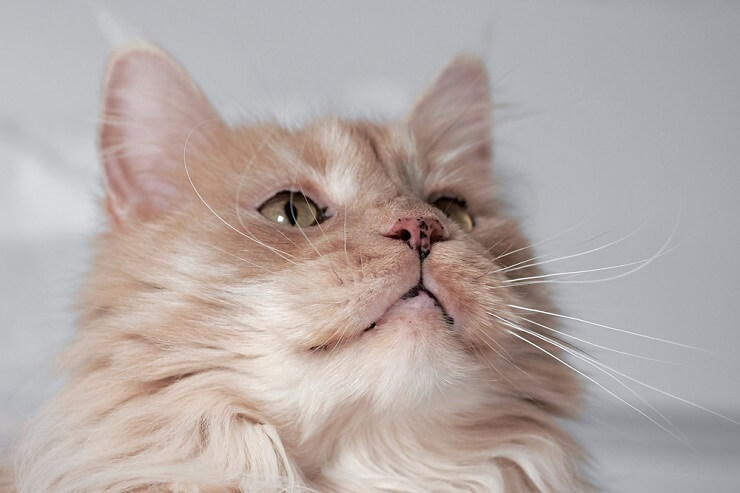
x=238, y=209
x=508, y=358
x=565, y=334
x=280, y=253
x=303, y=233
x=540, y=242
x=507, y=253
x=673, y=396
x=322, y=257
x=504, y=237
x=603, y=326
x=662, y=250
x=641, y=263
x=595, y=382
x=593, y=362
x=494, y=368
x=575, y=255
x=318, y=224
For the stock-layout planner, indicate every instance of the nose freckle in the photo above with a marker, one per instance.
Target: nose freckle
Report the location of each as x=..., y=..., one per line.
x=419, y=233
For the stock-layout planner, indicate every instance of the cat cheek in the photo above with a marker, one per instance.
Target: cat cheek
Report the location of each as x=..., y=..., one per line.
x=459, y=276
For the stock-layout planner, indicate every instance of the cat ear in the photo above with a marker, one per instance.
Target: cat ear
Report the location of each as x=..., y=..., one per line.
x=150, y=108
x=452, y=119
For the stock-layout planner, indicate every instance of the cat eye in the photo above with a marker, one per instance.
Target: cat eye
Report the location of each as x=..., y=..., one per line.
x=292, y=209
x=455, y=209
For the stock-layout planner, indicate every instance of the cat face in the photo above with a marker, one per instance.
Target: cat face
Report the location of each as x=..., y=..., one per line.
x=383, y=300
x=343, y=267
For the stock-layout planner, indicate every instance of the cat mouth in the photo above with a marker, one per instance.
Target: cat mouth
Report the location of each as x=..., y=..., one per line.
x=419, y=291
x=417, y=300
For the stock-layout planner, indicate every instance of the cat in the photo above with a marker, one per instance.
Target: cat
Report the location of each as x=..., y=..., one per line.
x=328, y=308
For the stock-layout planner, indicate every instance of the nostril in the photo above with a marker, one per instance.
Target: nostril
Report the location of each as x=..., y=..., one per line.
x=418, y=233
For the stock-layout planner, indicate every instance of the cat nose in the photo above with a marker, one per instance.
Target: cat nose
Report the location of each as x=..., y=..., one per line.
x=418, y=232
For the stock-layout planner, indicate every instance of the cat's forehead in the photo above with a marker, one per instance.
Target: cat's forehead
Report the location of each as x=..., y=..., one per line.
x=344, y=156
x=343, y=162
x=343, y=159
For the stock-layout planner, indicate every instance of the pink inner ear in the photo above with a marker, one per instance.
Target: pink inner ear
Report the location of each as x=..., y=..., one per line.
x=150, y=107
x=454, y=114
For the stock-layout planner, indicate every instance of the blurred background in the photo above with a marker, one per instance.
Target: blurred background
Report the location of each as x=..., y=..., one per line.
x=617, y=140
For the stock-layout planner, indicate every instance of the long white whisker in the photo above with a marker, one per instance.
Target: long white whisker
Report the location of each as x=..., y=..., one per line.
x=493, y=367
x=595, y=382
x=318, y=224
x=672, y=396
x=570, y=336
x=659, y=253
x=540, y=242
x=537, y=257
x=187, y=172
x=603, y=326
x=303, y=233
x=640, y=263
x=498, y=242
x=507, y=253
x=574, y=255
x=593, y=362
x=262, y=144
x=506, y=358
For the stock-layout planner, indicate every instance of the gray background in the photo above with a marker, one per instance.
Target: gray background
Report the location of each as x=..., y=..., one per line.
x=612, y=118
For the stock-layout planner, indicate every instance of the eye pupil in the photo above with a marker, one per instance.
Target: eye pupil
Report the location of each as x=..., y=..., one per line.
x=291, y=213
x=292, y=208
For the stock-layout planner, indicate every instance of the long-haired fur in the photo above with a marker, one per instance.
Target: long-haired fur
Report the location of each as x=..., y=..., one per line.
x=218, y=351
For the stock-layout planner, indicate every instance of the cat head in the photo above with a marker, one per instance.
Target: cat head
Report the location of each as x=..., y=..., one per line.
x=349, y=267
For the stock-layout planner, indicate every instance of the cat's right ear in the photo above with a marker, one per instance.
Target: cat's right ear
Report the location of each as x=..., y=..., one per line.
x=151, y=108
x=452, y=119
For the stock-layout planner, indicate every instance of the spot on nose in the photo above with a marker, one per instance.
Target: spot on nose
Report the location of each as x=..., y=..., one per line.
x=420, y=233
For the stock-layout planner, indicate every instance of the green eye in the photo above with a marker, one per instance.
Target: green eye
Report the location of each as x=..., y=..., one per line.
x=455, y=209
x=292, y=209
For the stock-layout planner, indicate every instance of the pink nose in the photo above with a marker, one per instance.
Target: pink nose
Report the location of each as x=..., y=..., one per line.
x=418, y=232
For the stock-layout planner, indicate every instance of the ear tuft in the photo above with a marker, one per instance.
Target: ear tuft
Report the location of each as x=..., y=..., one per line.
x=452, y=119
x=150, y=107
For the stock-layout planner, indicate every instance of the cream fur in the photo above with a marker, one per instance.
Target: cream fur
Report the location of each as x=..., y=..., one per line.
x=218, y=352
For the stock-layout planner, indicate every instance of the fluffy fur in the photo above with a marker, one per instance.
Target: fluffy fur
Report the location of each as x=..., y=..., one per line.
x=220, y=352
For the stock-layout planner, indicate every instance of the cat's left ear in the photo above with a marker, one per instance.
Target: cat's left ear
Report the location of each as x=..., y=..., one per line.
x=151, y=107
x=452, y=120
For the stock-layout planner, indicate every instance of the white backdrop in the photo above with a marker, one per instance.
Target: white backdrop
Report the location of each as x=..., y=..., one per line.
x=612, y=118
